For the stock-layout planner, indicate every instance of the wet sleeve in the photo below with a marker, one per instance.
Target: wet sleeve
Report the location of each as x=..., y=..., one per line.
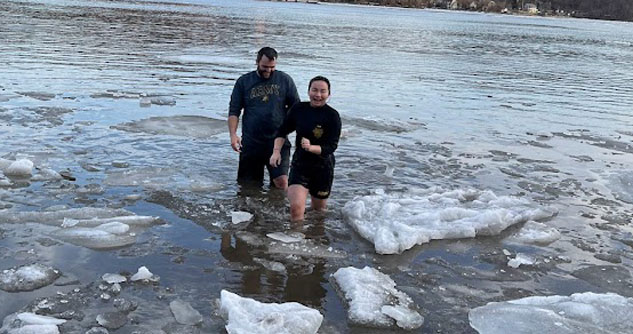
x=237, y=99
x=288, y=125
x=292, y=95
x=331, y=142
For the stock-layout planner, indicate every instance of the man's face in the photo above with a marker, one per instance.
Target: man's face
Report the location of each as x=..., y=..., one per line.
x=266, y=67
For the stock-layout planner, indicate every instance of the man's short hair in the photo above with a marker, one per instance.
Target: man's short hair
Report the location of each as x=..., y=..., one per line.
x=269, y=52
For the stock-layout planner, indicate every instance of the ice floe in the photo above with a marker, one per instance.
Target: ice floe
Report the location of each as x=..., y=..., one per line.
x=181, y=125
x=246, y=316
x=30, y=323
x=286, y=237
x=113, y=278
x=521, y=259
x=56, y=216
x=396, y=222
x=101, y=237
x=373, y=299
x=580, y=313
x=238, y=217
x=27, y=277
x=20, y=168
x=535, y=233
x=143, y=274
x=184, y=313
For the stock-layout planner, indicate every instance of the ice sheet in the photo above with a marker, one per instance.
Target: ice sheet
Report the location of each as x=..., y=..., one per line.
x=396, y=222
x=580, y=313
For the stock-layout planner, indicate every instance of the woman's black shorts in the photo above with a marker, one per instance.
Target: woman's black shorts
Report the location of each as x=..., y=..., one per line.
x=317, y=177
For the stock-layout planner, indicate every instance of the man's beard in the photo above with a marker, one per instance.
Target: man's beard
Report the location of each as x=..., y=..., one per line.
x=261, y=74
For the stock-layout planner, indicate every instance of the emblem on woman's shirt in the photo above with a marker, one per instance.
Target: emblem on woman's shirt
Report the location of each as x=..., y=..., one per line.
x=317, y=132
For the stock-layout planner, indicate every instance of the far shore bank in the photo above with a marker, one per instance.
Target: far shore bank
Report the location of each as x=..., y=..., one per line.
x=482, y=6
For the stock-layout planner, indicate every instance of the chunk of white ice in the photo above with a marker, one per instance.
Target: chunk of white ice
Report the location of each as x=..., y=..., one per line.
x=113, y=278
x=521, y=259
x=580, y=313
x=30, y=323
x=142, y=274
x=374, y=300
x=20, y=167
x=535, y=233
x=240, y=217
x=247, y=316
x=94, y=238
x=397, y=222
x=286, y=237
x=27, y=277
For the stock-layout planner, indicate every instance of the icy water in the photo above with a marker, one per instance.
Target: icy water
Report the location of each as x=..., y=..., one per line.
x=128, y=99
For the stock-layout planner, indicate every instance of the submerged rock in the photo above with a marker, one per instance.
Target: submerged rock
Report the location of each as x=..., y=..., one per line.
x=27, y=277
x=374, y=300
x=247, y=316
x=580, y=313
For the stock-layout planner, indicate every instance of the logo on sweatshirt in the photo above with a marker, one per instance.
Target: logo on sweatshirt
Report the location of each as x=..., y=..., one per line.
x=317, y=132
x=263, y=92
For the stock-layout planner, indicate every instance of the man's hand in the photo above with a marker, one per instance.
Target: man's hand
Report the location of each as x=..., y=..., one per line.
x=275, y=158
x=236, y=143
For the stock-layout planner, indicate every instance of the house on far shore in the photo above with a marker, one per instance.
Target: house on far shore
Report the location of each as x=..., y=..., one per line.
x=531, y=8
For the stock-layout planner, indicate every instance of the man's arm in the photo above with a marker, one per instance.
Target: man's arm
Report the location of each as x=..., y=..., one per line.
x=236, y=141
x=235, y=109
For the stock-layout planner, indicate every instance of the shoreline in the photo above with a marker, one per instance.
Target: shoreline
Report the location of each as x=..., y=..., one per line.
x=502, y=11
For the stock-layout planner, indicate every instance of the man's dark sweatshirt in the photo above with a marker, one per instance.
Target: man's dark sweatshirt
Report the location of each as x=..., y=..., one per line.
x=265, y=103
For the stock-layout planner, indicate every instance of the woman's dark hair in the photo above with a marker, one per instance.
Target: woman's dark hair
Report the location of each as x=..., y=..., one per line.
x=269, y=52
x=320, y=78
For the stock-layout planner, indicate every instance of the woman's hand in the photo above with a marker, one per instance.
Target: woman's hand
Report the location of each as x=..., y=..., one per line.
x=275, y=158
x=305, y=144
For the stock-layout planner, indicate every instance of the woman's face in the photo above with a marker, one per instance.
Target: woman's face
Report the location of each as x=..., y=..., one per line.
x=318, y=93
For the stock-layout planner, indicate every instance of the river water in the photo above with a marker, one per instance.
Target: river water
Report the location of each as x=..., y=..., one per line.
x=130, y=98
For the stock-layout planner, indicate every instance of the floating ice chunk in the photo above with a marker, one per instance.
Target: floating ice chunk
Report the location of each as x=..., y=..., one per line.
x=136, y=221
x=46, y=174
x=21, y=167
x=34, y=319
x=580, y=313
x=27, y=277
x=184, y=313
x=520, y=259
x=181, y=125
x=246, y=316
x=535, y=233
x=4, y=164
x=142, y=274
x=240, y=217
x=397, y=222
x=114, y=228
x=30, y=323
x=94, y=238
x=305, y=247
x=286, y=238
x=113, y=278
x=56, y=217
x=374, y=300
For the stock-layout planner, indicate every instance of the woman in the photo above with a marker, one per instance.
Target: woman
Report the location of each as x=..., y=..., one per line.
x=318, y=129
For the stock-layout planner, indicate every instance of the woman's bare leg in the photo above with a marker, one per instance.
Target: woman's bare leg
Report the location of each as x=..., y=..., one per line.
x=318, y=204
x=297, y=195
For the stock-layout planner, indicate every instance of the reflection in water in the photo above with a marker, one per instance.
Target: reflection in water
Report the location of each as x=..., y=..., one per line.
x=301, y=279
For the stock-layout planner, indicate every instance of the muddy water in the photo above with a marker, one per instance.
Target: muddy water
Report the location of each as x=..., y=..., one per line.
x=532, y=107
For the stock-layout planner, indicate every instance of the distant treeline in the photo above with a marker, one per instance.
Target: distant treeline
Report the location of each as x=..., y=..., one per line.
x=596, y=9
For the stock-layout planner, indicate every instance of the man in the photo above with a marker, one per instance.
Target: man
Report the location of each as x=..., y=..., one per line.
x=265, y=95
